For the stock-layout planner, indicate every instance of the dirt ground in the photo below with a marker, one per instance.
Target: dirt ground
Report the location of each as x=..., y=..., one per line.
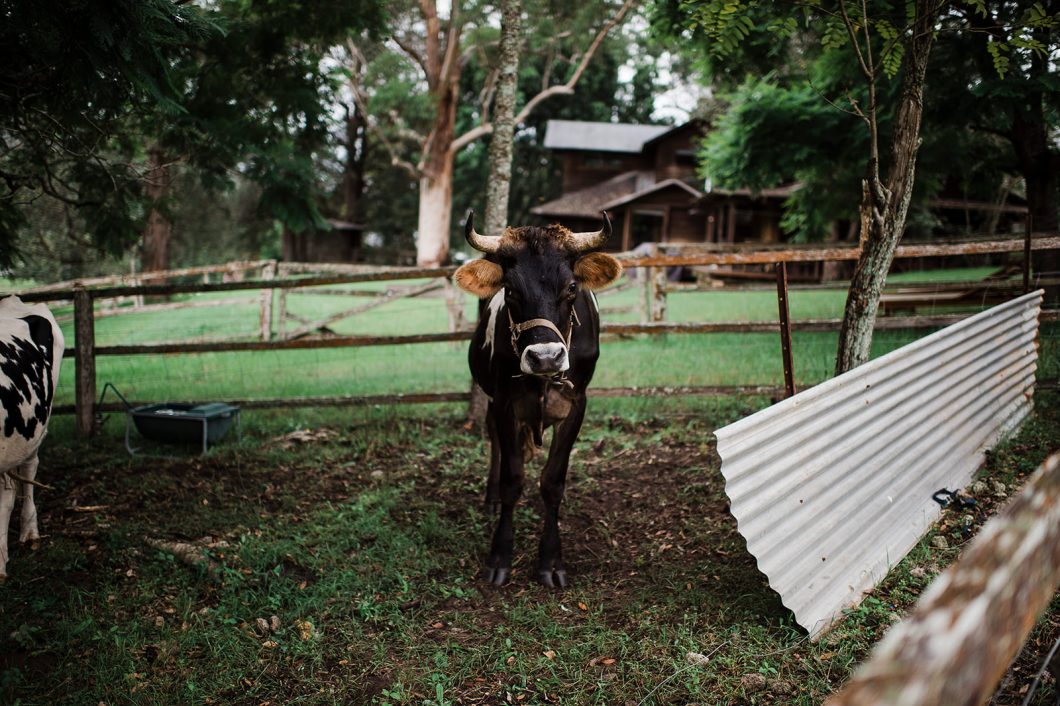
x=364, y=539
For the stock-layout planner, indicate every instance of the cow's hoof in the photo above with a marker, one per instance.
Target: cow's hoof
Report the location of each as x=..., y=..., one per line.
x=553, y=578
x=497, y=576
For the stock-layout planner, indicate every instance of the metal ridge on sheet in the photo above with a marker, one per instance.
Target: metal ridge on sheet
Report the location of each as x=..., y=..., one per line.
x=832, y=487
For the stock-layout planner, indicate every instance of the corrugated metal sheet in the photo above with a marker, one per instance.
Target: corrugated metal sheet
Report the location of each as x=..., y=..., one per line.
x=833, y=486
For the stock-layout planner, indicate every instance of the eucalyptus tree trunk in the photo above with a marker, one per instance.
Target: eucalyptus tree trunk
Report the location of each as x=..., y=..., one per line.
x=158, y=229
x=501, y=143
x=356, y=152
x=498, y=185
x=884, y=206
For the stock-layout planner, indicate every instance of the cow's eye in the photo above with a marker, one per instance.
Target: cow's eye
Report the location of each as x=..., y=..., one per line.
x=572, y=288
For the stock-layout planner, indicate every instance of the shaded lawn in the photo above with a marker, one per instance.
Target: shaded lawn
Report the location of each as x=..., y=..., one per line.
x=366, y=543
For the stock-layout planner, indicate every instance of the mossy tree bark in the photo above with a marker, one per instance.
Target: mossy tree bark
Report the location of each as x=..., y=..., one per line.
x=884, y=205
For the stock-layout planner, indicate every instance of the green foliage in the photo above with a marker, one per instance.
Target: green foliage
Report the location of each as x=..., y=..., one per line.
x=73, y=74
x=365, y=545
x=237, y=85
x=793, y=120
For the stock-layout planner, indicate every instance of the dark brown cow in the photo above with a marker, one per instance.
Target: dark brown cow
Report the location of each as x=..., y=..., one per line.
x=534, y=353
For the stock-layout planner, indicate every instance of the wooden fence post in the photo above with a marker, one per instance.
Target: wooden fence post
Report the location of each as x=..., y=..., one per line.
x=84, y=362
x=657, y=289
x=268, y=272
x=1029, y=228
x=281, y=315
x=643, y=275
x=455, y=303
x=785, y=328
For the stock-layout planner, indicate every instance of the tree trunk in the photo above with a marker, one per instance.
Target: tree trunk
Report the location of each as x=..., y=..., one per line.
x=884, y=208
x=1039, y=165
x=500, y=154
x=356, y=154
x=157, y=231
x=436, y=184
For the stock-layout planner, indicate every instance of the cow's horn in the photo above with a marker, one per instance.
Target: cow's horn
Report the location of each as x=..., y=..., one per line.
x=581, y=242
x=482, y=243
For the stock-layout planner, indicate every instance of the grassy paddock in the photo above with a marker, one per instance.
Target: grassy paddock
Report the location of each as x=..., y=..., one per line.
x=365, y=543
x=675, y=359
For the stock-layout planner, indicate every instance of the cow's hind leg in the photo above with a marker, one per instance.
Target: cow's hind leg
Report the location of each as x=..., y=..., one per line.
x=493, y=482
x=7, y=503
x=550, y=569
x=510, y=487
x=29, y=533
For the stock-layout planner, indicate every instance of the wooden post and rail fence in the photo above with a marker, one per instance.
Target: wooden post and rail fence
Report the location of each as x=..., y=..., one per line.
x=970, y=622
x=275, y=276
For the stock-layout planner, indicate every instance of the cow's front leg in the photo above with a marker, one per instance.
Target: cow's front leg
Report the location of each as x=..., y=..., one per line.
x=7, y=502
x=510, y=486
x=493, y=481
x=550, y=569
x=28, y=531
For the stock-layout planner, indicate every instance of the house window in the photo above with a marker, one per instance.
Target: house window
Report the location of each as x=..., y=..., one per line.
x=685, y=158
x=595, y=161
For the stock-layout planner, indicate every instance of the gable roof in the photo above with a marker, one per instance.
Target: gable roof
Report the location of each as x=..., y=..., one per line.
x=694, y=126
x=587, y=202
x=661, y=186
x=600, y=137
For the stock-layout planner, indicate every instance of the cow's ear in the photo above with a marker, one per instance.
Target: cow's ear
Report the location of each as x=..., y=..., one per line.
x=597, y=270
x=479, y=277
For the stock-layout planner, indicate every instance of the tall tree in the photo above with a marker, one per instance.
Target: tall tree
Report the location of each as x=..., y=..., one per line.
x=102, y=102
x=441, y=48
x=889, y=50
x=72, y=78
x=884, y=202
x=501, y=142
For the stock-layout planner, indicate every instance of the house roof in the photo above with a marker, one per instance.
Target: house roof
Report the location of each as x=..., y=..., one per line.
x=694, y=125
x=600, y=137
x=338, y=224
x=779, y=192
x=661, y=186
x=588, y=202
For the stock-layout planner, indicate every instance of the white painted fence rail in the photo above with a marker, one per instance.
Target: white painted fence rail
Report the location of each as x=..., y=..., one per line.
x=832, y=487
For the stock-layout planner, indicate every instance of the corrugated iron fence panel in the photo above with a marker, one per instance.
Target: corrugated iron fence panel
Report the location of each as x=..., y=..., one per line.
x=833, y=486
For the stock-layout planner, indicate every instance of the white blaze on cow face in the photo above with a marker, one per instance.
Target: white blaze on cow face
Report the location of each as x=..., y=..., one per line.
x=495, y=306
x=544, y=359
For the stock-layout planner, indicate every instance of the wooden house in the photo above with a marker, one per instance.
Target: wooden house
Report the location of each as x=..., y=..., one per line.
x=339, y=242
x=645, y=177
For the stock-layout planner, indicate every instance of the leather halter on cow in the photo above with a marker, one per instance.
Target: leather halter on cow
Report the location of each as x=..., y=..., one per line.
x=534, y=353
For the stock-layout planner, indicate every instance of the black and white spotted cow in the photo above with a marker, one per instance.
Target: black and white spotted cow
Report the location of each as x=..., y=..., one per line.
x=534, y=353
x=31, y=349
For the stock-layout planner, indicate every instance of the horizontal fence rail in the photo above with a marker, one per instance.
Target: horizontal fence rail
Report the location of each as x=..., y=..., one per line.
x=970, y=622
x=891, y=323
x=312, y=332
x=833, y=486
x=343, y=275
x=443, y=397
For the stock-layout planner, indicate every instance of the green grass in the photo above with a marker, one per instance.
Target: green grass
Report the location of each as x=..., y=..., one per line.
x=676, y=359
x=366, y=543
x=366, y=546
